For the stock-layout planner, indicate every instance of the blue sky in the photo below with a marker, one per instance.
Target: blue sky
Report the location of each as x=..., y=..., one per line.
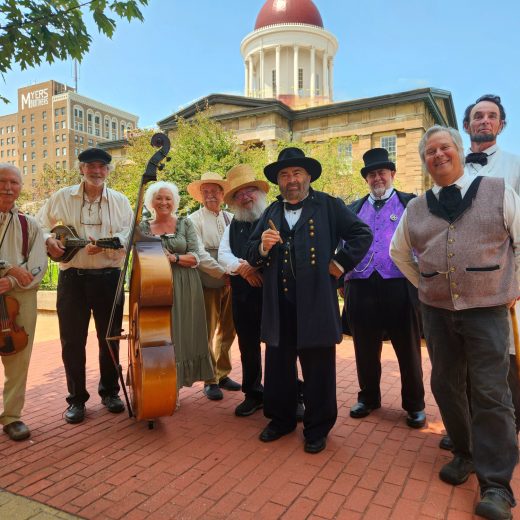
x=187, y=49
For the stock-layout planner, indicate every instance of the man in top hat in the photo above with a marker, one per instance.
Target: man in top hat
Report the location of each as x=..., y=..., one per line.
x=459, y=244
x=246, y=197
x=24, y=262
x=380, y=301
x=210, y=221
x=88, y=282
x=295, y=243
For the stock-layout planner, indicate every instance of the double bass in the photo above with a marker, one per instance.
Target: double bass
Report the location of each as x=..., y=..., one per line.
x=152, y=375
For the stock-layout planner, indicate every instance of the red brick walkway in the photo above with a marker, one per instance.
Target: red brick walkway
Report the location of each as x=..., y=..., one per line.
x=203, y=462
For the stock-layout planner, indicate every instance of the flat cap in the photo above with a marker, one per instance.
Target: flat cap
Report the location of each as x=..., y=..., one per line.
x=94, y=154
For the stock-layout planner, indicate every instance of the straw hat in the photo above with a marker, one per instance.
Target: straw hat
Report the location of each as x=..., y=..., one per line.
x=242, y=176
x=206, y=178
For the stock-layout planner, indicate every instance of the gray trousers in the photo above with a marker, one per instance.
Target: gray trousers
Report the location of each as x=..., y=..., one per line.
x=475, y=341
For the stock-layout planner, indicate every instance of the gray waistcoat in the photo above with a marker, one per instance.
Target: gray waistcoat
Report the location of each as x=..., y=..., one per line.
x=469, y=262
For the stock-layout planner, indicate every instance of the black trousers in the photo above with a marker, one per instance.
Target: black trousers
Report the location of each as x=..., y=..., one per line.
x=247, y=316
x=377, y=308
x=79, y=296
x=318, y=367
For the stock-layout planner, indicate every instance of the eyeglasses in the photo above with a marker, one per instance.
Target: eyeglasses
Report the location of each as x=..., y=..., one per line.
x=244, y=193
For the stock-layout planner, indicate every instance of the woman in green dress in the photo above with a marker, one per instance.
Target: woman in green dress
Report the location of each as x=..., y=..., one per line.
x=181, y=246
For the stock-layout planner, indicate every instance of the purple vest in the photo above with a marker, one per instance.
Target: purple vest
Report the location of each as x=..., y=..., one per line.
x=383, y=223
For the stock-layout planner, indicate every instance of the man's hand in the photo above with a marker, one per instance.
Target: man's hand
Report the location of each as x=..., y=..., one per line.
x=54, y=247
x=269, y=239
x=23, y=277
x=244, y=269
x=5, y=285
x=254, y=279
x=334, y=270
x=92, y=249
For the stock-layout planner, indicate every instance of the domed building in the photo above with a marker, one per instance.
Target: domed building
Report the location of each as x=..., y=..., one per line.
x=288, y=95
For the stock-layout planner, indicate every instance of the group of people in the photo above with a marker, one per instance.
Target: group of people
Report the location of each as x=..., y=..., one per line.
x=445, y=264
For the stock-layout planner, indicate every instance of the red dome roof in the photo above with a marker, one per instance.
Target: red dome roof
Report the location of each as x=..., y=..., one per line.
x=288, y=11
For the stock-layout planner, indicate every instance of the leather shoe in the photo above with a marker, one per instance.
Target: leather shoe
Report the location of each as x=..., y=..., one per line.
x=17, y=431
x=416, y=419
x=213, y=392
x=360, y=410
x=75, y=413
x=457, y=471
x=248, y=407
x=446, y=443
x=494, y=507
x=113, y=403
x=270, y=434
x=228, y=384
x=315, y=446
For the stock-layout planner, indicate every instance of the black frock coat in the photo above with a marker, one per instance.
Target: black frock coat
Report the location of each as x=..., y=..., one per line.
x=323, y=223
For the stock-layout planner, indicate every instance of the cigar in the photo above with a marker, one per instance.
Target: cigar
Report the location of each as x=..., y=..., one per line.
x=273, y=227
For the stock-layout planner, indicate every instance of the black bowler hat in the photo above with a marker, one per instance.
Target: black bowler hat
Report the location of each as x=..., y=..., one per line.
x=292, y=157
x=376, y=159
x=94, y=154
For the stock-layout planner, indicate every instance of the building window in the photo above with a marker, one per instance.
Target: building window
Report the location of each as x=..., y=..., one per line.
x=33, y=169
x=24, y=119
x=32, y=129
x=63, y=124
x=24, y=131
x=57, y=138
x=8, y=140
x=56, y=112
x=57, y=125
x=32, y=143
x=58, y=164
x=25, y=170
x=58, y=152
x=64, y=163
x=300, y=81
x=62, y=111
x=389, y=142
x=9, y=153
x=33, y=156
x=345, y=153
x=64, y=151
x=76, y=152
x=45, y=154
x=24, y=156
x=13, y=140
x=91, y=142
x=44, y=127
x=44, y=141
x=44, y=115
x=317, y=84
x=32, y=118
x=24, y=144
x=63, y=137
x=14, y=153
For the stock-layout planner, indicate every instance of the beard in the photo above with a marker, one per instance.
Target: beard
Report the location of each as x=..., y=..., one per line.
x=379, y=192
x=482, y=138
x=253, y=213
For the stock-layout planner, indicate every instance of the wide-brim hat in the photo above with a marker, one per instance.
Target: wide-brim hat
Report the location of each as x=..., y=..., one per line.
x=206, y=178
x=292, y=157
x=94, y=154
x=375, y=159
x=242, y=176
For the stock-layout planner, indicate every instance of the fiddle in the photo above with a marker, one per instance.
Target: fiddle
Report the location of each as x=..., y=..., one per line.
x=13, y=338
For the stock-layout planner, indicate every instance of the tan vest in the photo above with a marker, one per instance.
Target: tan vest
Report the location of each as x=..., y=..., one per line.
x=467, y=263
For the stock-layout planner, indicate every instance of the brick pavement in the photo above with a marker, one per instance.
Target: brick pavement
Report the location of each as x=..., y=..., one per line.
x=203, y=462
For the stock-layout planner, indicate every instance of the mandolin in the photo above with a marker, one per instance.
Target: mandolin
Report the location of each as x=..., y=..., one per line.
x=68, y=237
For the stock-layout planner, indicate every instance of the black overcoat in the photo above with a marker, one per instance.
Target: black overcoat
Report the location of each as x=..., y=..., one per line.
x=324, y=221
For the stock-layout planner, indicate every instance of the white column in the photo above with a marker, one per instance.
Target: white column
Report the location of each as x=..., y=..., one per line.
x=295, y=73
x=331, y=78
x=277, y=71
x=246, y=77
x=325, y=75
x=261, y=88
x=313, y=72
x=250, y=82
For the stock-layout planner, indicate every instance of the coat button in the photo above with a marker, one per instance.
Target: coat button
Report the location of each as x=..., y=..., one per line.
x=455, y=296
x=313, y=249
x=453, y=269
x=451, y=255
x=311, y=233
x=311, y=227
x=285, y=289
x=451, y=240
x=452, y=226
x=313, y=262
x=311, y=221
x=267, y=264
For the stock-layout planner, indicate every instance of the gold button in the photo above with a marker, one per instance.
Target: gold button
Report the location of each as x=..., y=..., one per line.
x=311, y=227
x=450, y=255
x=267, y=264
x=285, y=280
x=312, y=249
x=313, y=262
x=453, y=269
x=285, y=289
x=285, y=261
x=311, y=233
x=313, y=255
x=455, y=296
x=287, y=252
x=452, y=226
x=451, y=240
x=311, y=221
x=453, y=284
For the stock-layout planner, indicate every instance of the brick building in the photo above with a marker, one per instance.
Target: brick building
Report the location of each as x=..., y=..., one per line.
x=54, y=124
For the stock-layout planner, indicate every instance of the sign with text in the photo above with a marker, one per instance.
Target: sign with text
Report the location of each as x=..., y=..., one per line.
x=35, y=98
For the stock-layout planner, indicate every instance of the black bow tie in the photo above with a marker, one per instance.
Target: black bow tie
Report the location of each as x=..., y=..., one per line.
x=478, y=157
x=379, y=203
x=293, y=207
x=450, y=198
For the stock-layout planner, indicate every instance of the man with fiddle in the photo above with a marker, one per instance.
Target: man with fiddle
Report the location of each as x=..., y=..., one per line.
x=22, y=252
x=88, y=282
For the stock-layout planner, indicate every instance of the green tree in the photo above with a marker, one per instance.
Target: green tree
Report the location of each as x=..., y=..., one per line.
x=33, y=31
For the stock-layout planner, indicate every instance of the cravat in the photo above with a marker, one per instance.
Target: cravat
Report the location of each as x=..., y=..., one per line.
x=378, y=204
x=450, y=198
x=477, y=157
x=293, y=207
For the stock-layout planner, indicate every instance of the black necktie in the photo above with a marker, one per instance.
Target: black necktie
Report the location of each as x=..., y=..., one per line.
x=450, y=198
x=378, y=204
x=293, y=207
x=477, y=157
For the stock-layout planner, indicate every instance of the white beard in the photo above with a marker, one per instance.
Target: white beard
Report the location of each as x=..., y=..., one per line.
x=250, y=215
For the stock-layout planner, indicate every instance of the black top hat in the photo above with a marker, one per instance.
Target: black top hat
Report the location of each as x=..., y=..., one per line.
x=94, y=154
x=292, y=157
x=375, y=159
